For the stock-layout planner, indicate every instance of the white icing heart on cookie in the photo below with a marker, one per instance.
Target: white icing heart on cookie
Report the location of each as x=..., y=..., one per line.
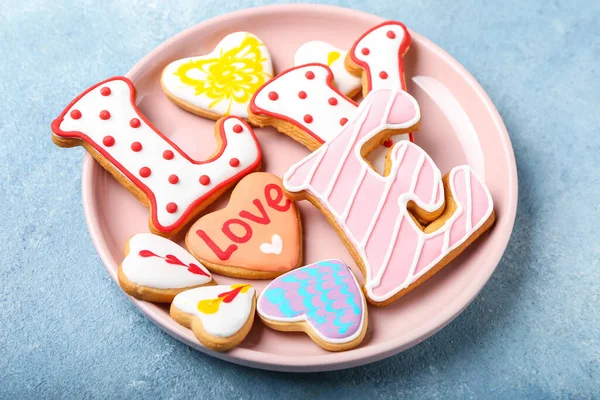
x=274, y=247
x=325, y=53
x=222, y=82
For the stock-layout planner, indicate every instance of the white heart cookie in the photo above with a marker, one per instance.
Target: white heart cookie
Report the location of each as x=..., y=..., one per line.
x=156, y=269
x=325, y=53
x=220, y=316
x=222, y=82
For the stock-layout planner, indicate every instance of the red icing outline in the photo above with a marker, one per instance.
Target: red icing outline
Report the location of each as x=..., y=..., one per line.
x=404, y=46
x=254, y=109
x=133, y=178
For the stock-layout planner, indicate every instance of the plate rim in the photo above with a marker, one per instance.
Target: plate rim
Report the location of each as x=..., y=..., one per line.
x=360, y=355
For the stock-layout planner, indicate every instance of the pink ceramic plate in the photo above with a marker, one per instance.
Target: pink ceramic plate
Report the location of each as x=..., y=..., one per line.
x=460, y=125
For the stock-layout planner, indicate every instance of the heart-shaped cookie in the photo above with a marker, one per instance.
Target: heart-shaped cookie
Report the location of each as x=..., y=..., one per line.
x=156, y=269
x=322, y=299
x=257, y=236
x=220, y=83
x=220, y=316
x=325, y=53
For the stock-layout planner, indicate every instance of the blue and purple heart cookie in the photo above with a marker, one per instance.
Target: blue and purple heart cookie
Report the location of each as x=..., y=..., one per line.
x=322, y=299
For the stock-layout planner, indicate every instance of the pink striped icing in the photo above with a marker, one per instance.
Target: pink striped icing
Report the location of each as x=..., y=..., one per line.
x=371, y=209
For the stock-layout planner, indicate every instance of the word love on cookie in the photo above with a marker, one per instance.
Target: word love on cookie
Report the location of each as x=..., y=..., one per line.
x=257, y=236
x=220, y=316
x=157, y=269
x=322, y=299
x=107, y=123
x=376, y=216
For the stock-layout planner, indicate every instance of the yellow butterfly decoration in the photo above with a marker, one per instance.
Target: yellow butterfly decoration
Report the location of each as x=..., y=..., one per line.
x=233, y=76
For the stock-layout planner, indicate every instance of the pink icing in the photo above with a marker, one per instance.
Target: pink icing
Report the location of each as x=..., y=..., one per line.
x=393, y=249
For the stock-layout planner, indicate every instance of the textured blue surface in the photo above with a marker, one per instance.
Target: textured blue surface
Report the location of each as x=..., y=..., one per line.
x=533, y=332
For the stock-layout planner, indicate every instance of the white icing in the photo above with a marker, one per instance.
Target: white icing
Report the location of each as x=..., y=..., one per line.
x=156, y=272
x=322, y=53
x=188, y=190
x=326, y=118
x=188, y=94
x=229, y=318
x=275, y=247
x=383, y=56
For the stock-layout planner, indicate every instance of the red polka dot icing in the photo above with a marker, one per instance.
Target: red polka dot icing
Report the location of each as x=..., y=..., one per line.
x=204, y=180
x=343, y=121
x=104, y=115
x=168, y=155
x=136, y=146
x=145, y=172
x=391, y=34
x=302, y=94
x=365, y=51
x=332, y=101
x=105, y=91
x=234, y=162
x=310, y=75
x=383, y=75
x=135, y=123
x=237, y=128
x=273, y=96
x=108, y=141
x=171, y=208
x=75, y=114
x=308, y=118
x=173, y=179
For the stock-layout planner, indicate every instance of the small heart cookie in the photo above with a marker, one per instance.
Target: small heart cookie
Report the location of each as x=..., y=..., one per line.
x=220, y=316
x=257, y=236
x=322, y=299
x=156, y=269
x=325, y=53
x=220, y=83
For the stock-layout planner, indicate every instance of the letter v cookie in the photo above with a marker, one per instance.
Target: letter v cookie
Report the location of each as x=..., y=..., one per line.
x=157, y=269
x=220, y=316
x=107, y=123
x=401, y=227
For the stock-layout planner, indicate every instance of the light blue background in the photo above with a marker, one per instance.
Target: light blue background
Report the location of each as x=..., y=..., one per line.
x=533, y=332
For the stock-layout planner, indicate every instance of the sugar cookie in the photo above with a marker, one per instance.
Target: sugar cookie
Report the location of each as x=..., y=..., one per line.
x=302, y=103
x=404, y=226
x=377, y=57
x=325, y=53
x=107, y=123
x=322, y=299
x=257, y=236
x=220, y=83
x=220, y=316
x=157, y=269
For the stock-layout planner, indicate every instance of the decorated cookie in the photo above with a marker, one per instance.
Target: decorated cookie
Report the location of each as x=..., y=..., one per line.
x=325, y=53
x=220, y=316
x=322, y=299
x=107, y=123
x=377, y=57
x=404, y=226
x=257, y=236
x=303, y=103
x=220, y=83
x=156, y=269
